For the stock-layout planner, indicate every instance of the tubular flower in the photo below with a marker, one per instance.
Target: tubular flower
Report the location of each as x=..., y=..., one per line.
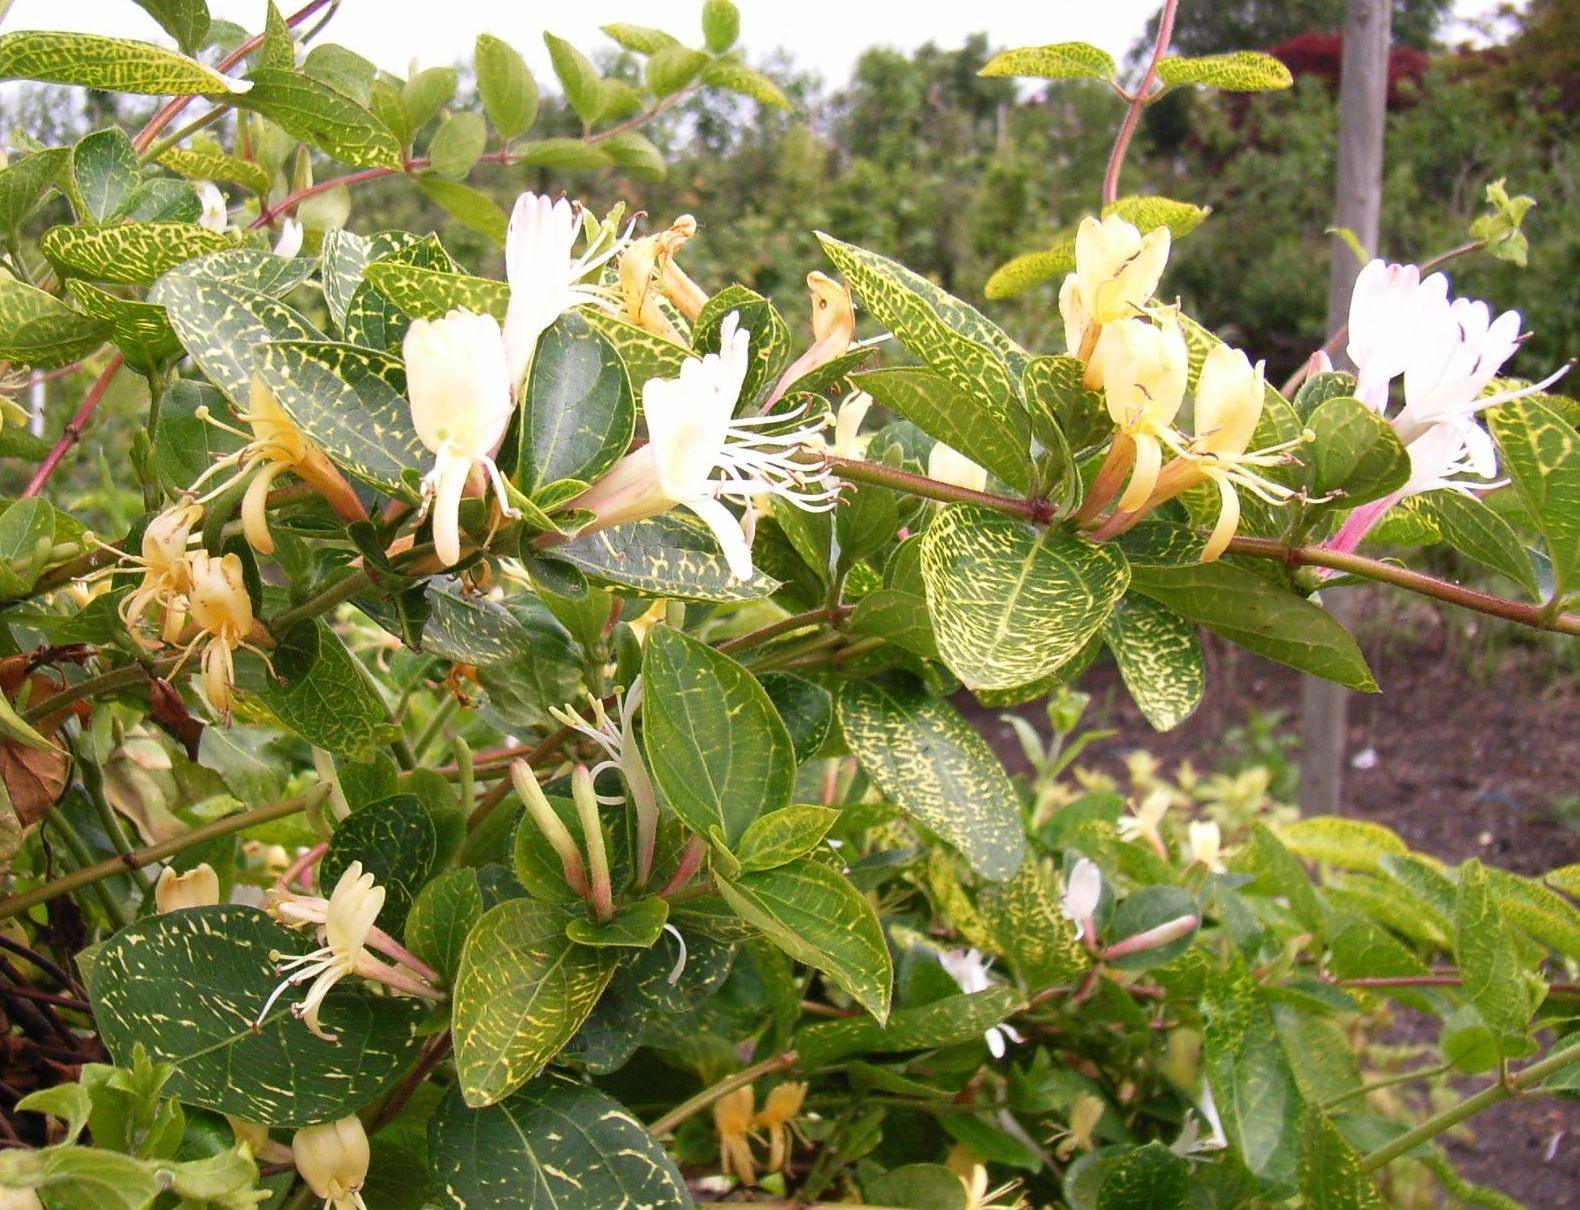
x=979, y=1197
x=970, y=971
x=551, y=825
x=691, y=434
x=1389, y=307
x=198, y=887
x=458, y=378
x=1145, y=821
x=1206, y=845
x=333, y=1159
x=852, y=411
x=215, y=216
x=167, y=570
x=616, y=735
x=1081, y=895
x=833, y=330
x=274, y=445
x=1085, y=1115
x=347, y=923
x=778, y=1118
x=290, y=241
x=546, y=276
x=1144, y=375
x=222, y=609
x=1229, y=398
x=732, y=1118
x=1116, y=270
x=948, y=465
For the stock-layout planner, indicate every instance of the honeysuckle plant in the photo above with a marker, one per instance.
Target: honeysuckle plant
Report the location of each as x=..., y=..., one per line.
x=580, y=797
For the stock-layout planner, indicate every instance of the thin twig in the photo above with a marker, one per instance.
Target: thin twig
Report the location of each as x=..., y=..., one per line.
x=74, y=427
x=696, y=1104
x=1138, y=101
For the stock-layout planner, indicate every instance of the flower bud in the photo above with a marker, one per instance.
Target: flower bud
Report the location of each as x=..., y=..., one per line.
x=333, y=1159
x=1081, y=895
x=198, y=887
x=553, y=828
x=586, y=799
x=948, y=465
x=1154, y=938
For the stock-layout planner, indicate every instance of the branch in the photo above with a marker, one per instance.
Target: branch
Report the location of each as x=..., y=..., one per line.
x=1138, y=101
x=74, y=427
x=696, y=1104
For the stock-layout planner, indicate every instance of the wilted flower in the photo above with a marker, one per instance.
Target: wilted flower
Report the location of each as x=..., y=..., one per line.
x=1116, y=270
x=778, y=1118
x=333, y=1159
x=732, y=1118
x=833, y=330
x=970, y=970
x=948, y=465
x=692, y=434
x=648, y=272
x=1081, y=895
x=198, y=887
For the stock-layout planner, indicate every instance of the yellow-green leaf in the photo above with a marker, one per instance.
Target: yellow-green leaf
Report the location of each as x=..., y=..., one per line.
x=1238, y=71
x=112, y=64
x=1056, y=61
x=134, y=254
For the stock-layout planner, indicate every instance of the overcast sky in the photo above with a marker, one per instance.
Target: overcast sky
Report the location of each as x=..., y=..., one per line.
x=826, y=35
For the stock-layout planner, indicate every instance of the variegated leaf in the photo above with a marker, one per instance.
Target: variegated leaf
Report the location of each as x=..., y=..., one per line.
x=425, y=293
x=1541, y=454
x=769, y=346
x=140, y=330
x=352, y=403
x=1159, y=659
x=134, y=254
x=1032, y=933
x=111, y=64
x=1056, y=61
x=983, y=428
x=39, y=331
x=1009, y=603
x=1238, y=71
x=665, y=556
x=217, y=166
x=645, y=355
x=945, y=1022
x=930, y=763
x=344, y=259
x=312, y=111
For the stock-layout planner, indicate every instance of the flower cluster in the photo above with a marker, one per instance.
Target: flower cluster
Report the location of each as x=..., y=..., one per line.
x=738, y=1123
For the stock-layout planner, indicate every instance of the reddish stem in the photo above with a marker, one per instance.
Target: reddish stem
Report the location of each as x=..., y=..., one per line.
x=74, y=427
x=1138, y=101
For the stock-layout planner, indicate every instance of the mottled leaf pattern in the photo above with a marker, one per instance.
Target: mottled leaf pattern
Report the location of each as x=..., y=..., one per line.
x=945, y=1022
x=397, y=841
x=324, y=695
x=982, y=428
x=140, y=330
x=312, y=111
x=930, y=763
x=113, y=64
x=132, y=253
x=1056, y=61
x=1237, y=71
x=426, y=293
x=40, y=331
x=1541, y=454
x=1331, y=1175
x=665, y=556
x=1159, y=659
x=645, y=355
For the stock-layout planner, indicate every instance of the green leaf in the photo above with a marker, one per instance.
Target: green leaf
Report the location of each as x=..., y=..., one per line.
x=806, y=708
x=131, y=253
x=1159, y=660
x=642, y=39
x=81, y=1176
x=1350, y=844
x=523, y=991
x=443, y=913
x=26, y=182
x=1056, y=61
x=1021, y=273
x=721, y=25
x=351, y=403
x=578, y=77
x=425, y=293
x=470, y=207
x=555, y=1143
x=216, y=166
x=1356, y=456
x=1489, y=965
x=1244, y=608
x=315, y=113
x=327, y=697
x=140, y=330
x=1145, y=1178
x=111, y=64
x=930, y=763
x=1148, y=908
x=737, y=77
x=426, y=93
x=900, y=617
x=1477, y=532
x=187, y=446
x=671, y=68
x=1238, y=71
x=1146, y=212
x=954, y=339
x=564, y=153
x=188, y=987
x=457, y=144
x=669, y=555
x=473, y=629
x=397, y=841
x=814, y=914
x=344, y=260
x=39, y=331
x=636, y=927
x=186, y=21
x=278, y=49
x=948, y=1021
x=984, y=430
x=645, y=355
x=510, y=94
x=769, y=348
x=783, y=835
x=1330, y=1172
x=1541, y=454
x=715, y=744
x=578, y=413
x=1030, y=931
x=105, y=174
x=221, y=323
x=1011, y=603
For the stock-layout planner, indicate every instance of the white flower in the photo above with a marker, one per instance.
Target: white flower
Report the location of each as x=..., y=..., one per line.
x=1206, y=843
x=1391, y=309
x=546, y=278
x=948, y=465
x=847, y=425
x=198, y=887
x=458, y=380
x=970, y=970
x=215, y=216
x=692, y=434
x=1145, y=819
x=352, y=908
x=1081, y=895
x=333, y=1159
x=290, y=241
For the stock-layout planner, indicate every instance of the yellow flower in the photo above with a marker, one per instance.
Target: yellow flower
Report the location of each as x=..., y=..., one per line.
x=777, y=1117
x=1085, y=1114
x=949, y=465
x=198, y=887
x=333, y=1159
x=167, y=570
x=1116, y=271
x=222, y=610
x=648, y=269
x=1229, y=398
x=833, y=329
x=732, y=1118
x=1145, y=367
x=1145, y=819
x=980, y=1197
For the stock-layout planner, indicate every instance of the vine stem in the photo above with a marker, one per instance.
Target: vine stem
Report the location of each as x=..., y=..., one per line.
x=74, y=427
x=89, y=874
x=1502, y=1090
x=694, y=1105
x=1138, y=102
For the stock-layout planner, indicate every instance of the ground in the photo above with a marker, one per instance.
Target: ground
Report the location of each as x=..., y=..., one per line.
x=1477, y=755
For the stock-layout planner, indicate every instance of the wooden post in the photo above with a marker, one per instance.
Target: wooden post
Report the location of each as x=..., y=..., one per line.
x=1363, y=105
